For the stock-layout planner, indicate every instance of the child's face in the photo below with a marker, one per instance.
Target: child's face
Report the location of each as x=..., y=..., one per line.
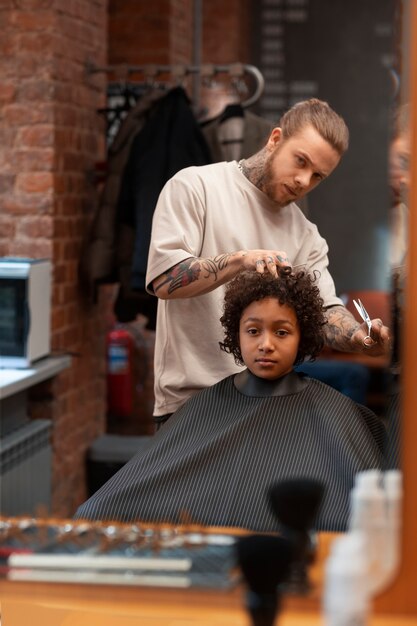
x=269, y=336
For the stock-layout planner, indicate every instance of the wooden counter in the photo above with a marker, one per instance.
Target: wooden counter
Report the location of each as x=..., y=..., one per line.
x=39, y=604
x=53, y=604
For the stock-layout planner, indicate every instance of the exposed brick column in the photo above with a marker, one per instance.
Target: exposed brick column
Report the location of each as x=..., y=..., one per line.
x=50, y=138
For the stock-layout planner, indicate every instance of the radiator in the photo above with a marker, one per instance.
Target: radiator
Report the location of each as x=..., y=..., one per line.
x=25, y=469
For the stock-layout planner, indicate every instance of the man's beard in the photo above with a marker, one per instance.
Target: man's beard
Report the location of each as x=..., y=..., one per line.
x=268, y=181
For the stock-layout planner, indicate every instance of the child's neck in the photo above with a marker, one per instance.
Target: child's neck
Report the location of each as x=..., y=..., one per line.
x=250, y=385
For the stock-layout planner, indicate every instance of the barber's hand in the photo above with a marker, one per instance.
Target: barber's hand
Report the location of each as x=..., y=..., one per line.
x=263, y=261
x=379, y=342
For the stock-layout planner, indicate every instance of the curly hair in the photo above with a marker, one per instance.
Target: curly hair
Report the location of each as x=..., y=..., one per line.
x=295, y=289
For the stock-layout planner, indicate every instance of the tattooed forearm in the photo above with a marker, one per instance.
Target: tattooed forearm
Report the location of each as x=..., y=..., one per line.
x=181, y=275
x=340, y=328
x=191, y=270
x=213, y=266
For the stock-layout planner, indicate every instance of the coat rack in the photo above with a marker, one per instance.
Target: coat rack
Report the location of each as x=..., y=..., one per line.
x=153, y=74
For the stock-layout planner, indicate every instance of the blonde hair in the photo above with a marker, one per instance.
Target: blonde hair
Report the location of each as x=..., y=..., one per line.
x=321, y=116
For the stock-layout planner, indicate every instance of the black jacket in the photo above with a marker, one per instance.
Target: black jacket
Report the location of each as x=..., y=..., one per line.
x=170, y=141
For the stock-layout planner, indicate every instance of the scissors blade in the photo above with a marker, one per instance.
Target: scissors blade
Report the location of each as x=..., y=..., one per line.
x=359, y=310
x=367, y=318
x=364, y=314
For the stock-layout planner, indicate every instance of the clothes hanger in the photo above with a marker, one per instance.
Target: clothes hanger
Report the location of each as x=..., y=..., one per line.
x=232, y=110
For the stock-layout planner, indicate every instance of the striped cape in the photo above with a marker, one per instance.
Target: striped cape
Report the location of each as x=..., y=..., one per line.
x=214, y=460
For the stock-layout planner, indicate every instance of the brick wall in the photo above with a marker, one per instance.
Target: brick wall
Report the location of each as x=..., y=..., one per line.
x=50, y=139
x=226, y=31
x=143, y=32
x=162, y=32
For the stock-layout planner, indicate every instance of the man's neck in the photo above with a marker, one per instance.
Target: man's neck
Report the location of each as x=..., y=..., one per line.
x=254, y=168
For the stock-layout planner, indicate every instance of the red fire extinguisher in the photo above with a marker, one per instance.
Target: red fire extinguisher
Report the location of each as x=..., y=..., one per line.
x=119, y=372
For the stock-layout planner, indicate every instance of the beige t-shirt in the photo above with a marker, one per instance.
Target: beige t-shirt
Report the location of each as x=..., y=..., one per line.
x=203, y=212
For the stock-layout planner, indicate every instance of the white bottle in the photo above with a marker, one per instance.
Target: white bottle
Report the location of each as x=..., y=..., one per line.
x=369, y=515
x=392, y=481
x=346, y=597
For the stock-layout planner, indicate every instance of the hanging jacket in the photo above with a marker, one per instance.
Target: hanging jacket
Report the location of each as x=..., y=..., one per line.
x=98, y=263
x=255, y=134
x=170, y=140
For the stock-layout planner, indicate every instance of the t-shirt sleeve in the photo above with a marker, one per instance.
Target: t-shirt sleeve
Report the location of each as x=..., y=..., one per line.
x=318, y=262
x=178, y=224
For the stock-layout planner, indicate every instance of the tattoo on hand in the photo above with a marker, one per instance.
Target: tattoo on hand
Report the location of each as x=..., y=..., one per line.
x=282, y=259
x=339, y=328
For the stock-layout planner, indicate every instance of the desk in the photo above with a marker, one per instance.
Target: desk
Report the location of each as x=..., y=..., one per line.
x=41, y=604
x=13, y=381
x=52, y=604
x=14, y=384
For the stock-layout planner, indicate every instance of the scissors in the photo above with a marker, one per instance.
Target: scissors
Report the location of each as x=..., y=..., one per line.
x=365, y=316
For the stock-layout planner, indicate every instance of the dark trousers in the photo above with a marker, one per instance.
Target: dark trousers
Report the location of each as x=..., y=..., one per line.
x=159, y=420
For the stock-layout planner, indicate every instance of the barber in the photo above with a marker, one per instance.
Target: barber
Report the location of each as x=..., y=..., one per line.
x=213, y=221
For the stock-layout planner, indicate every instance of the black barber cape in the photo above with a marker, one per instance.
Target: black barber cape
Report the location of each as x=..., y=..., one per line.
x=215, y=458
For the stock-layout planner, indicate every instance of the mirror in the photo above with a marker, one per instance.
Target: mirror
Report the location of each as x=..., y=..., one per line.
x=356, y=229
x=302, y=55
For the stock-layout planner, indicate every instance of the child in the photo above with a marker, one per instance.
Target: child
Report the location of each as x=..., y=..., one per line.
x=216, y=457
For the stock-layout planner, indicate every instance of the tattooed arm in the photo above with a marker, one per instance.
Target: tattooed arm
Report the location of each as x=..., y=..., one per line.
x=196, y=276
x=344, y=333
